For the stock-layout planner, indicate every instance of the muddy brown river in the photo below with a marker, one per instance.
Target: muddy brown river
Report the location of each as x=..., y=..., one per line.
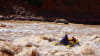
x=34, y=38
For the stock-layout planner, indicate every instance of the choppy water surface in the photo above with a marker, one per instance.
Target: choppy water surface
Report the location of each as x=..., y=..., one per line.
x=24, y=32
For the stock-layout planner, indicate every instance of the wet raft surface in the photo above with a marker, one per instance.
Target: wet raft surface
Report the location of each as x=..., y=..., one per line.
x=33, y=38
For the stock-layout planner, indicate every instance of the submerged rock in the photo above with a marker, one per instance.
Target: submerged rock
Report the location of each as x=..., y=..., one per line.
x=3, y=25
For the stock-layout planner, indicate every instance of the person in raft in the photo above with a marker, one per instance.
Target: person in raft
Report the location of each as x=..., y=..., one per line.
x=67, y=42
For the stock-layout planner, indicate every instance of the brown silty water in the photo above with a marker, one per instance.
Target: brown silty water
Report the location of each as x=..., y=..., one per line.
x=34, y=38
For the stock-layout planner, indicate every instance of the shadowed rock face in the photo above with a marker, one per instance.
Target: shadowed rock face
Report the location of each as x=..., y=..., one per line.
x=87, y=10
x=75, y=8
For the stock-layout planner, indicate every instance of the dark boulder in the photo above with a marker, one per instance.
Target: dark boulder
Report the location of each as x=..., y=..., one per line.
x=61, y=21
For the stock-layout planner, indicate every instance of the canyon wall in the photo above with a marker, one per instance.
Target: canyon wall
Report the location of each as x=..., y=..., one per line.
x=85, y=9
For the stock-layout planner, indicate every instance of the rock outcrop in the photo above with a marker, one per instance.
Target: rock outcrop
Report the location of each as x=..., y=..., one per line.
x=85, y=11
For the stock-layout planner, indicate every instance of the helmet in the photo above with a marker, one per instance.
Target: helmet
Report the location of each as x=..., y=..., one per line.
x=66, y=35
x=72, y=37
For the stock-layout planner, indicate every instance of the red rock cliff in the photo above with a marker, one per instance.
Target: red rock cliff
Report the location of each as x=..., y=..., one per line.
x=67, y=8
